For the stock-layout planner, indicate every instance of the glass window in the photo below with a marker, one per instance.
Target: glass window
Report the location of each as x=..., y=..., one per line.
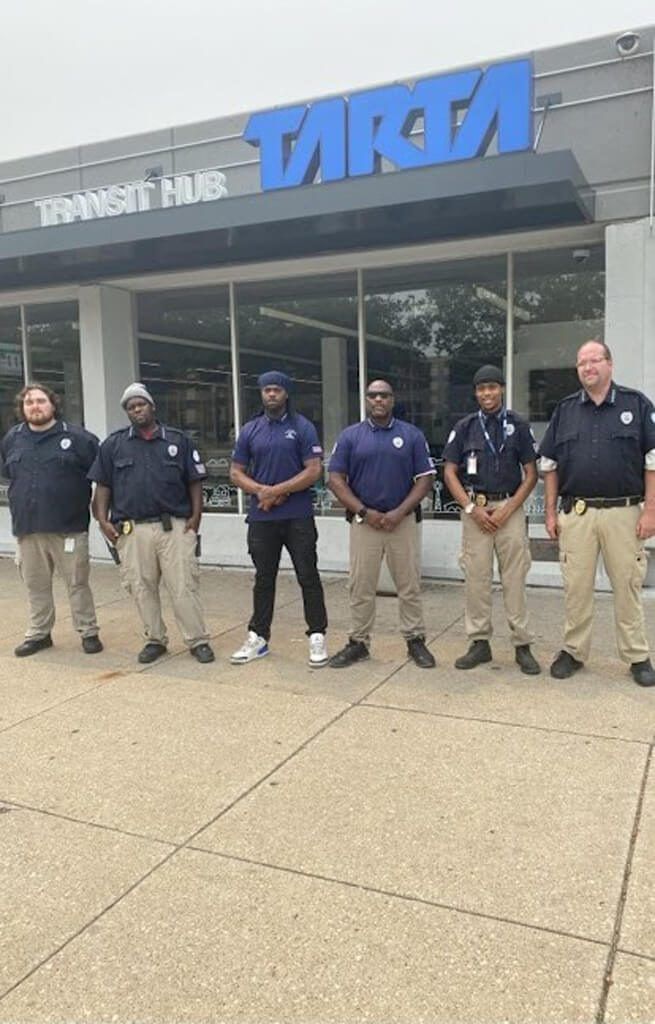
x=184, y=355
x=11, y=365
x=306, y=327
x=559, y=303
x=428, y=329
x=53, y=337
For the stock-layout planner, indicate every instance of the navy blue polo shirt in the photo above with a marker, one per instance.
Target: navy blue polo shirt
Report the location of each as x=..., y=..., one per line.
x=600, y=449
x=48, y=487
x=497, y=471
x=381, y=463
x=148, y=476
x=275, y=450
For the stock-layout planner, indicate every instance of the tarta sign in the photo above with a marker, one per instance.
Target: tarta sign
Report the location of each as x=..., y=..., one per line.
x=458, y=114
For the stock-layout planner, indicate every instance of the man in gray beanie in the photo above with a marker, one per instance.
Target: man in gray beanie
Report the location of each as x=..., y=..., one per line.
x=148, y=503
x=490, y=471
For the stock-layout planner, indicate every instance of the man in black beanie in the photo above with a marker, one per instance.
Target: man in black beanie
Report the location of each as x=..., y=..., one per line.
x=490, y=470
x=276, y=460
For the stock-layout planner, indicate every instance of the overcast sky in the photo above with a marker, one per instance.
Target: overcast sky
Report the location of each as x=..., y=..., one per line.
x=76, y=71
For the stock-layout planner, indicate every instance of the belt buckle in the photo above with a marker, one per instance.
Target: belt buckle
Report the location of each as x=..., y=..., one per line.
x=127, y=527
x=580, y=506
x=481, y=500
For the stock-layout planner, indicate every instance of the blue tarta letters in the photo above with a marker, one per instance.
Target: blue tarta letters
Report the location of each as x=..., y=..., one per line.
x=338, y=138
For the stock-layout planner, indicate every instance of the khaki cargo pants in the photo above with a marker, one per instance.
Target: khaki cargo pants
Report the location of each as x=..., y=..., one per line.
x=611, y=532
x=38, y=555
x=402, y=550
x=511, y=546
x=149, y=554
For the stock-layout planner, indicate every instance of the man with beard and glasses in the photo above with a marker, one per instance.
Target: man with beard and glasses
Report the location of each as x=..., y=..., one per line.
x=490, y=469
x=276, y=460
x=380, y=470
x=46, y=460
x=598, y=457
x=148, y=503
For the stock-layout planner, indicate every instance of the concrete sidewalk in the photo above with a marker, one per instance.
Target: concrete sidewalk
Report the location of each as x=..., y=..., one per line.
x=268, y=843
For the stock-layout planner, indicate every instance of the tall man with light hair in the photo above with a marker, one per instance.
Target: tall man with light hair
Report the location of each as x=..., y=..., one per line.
x=598, y=457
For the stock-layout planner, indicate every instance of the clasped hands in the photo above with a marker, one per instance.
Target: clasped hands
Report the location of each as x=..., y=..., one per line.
x=269, y=497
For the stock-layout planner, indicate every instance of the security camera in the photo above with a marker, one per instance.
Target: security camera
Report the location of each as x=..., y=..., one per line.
x=580, y=255
x=627, y=43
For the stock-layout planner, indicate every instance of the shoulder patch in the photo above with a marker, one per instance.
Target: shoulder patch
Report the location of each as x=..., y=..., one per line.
x=451, y=437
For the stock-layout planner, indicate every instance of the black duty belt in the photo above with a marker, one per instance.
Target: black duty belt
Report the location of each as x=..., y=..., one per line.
x=482, y=497
x=580, y=505
x=127, y=525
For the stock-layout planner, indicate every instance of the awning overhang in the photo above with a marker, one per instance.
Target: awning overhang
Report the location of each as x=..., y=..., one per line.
x=493, y=195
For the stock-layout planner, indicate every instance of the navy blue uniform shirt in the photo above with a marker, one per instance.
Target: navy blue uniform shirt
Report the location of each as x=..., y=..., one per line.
x=148, y=477
x=381, y=463
x=498, y=471
x=600, y=449
x=48, y=487
x=274, y=450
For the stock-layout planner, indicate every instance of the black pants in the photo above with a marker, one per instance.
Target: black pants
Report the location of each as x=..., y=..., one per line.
x=265, y=543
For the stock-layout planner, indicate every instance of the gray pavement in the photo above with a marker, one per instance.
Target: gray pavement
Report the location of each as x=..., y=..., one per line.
x=268, y=843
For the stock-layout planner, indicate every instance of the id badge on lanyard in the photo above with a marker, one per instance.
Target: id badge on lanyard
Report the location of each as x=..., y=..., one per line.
x=471, y=464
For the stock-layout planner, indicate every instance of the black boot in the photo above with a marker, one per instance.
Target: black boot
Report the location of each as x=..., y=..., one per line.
x=526, y=660
x=477, y=654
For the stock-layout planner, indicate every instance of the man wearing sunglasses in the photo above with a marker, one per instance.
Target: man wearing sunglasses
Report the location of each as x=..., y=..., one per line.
x=380, y=470
x=598, y=457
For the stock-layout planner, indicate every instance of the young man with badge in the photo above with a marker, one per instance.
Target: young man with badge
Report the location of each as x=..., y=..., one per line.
x=276, y=460
x=148, y=503
x=381, y=470
x=46, y=461
x=598, y=457
x=490, y=469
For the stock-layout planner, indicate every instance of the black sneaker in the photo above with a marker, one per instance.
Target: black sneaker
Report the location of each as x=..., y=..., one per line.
x=419, y=653
x=355, y=650
x=565, y=665
x=203, y=653
x=151, y=652
x=31, y=646
x=643, y=673
x=477, y=654
x=92, y=644
x=526, y=660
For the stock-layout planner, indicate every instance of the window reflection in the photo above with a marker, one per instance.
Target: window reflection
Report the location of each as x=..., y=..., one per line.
x=184, y=356
x=428, y=328
x=53, y=337
x=307, y=328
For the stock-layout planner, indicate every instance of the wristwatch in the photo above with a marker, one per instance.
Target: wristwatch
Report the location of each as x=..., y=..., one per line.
x=469, y=508
x=360, y=516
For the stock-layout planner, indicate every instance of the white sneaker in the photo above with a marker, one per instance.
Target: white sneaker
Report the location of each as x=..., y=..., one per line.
x=318, y=655
x=254, y=647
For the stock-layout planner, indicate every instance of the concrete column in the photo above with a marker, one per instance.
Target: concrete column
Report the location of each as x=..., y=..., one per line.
x=108, y=350
x=630, y=303
x=334, y=371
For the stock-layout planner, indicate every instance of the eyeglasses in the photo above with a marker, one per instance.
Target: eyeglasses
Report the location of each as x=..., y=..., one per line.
x=379, y=394
x=591, y=362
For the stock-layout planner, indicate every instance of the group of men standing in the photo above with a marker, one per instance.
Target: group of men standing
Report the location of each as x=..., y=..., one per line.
x=597, y=456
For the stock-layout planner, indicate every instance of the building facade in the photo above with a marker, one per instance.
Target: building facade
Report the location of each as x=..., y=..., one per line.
x=501, y=213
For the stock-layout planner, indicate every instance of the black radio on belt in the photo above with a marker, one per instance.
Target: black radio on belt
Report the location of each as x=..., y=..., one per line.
x=166, y=522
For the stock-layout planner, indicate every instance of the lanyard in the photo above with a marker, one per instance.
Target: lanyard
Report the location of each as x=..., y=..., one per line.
x=489, y=442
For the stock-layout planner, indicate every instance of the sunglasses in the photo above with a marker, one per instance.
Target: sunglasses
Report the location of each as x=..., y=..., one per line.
x=379, y=394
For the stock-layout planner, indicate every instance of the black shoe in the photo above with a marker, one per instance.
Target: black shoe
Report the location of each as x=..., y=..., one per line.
x=203, y=653
x=32, y=646
x=419, y=653
x=526, y=660
x=355, y=650
x=151, y=652
x=92, y=644
x=477, y=654
x=565, y=665
x=643, y=673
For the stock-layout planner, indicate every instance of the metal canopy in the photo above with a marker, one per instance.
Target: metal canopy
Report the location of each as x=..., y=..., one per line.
x=480, y=197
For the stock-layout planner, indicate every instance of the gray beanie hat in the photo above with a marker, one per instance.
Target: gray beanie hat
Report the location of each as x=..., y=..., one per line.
x=137, y=390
